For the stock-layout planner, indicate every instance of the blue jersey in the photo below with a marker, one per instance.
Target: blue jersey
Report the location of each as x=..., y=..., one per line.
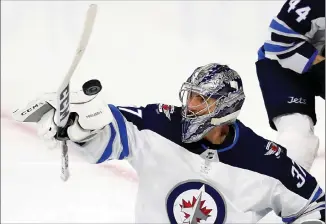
x=297, y=35
x=240, y=180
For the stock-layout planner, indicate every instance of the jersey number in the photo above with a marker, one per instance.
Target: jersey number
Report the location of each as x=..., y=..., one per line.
x=302, y=12
x=299, y=174
x=134, y=111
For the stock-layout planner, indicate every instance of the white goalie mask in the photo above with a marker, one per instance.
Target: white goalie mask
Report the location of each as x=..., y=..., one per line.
x=218, y=95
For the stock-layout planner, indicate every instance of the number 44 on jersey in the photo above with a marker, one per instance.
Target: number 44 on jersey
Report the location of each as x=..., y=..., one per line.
x=302, y=12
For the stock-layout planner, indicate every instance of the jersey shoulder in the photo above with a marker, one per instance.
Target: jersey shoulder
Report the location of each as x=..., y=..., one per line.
x=160, y=118
x=255, y=153
x=300, y=15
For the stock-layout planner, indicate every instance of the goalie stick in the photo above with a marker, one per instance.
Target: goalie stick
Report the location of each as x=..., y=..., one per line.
x=63, y=107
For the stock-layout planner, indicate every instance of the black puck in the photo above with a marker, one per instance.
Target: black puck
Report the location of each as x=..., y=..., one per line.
x=92, y=87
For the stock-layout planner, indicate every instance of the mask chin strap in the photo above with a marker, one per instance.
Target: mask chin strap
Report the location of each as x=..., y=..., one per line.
x=225, y=119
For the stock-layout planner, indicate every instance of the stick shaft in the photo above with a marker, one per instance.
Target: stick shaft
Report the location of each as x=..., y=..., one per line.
x=63, y=107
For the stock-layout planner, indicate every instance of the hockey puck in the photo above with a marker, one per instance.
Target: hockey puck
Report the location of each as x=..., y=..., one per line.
x=92, y=87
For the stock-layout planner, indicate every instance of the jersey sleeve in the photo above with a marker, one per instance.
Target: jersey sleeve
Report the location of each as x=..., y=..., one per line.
x=125, y=132
x=123, y=137
x=282, y=185
x=292, y=33
x=118, y=140
x=295, y=194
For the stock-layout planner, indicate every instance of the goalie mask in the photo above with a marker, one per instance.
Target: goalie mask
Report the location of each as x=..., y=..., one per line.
x=212, y=96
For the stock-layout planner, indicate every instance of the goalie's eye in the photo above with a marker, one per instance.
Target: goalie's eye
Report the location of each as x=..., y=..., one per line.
x=197, y=97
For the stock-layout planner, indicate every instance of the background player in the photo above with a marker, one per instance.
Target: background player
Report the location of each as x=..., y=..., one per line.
x=291, y=72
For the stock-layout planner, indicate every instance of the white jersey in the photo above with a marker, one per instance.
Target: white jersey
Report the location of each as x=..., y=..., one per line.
x=239, y=181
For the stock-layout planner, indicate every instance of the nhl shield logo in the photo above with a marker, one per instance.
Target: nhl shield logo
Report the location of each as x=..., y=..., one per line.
x=195, y=202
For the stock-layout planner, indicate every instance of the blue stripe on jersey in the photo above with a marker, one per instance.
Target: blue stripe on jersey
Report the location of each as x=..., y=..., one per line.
x=293, y=218
x=289, y=219
x=320, y=207
x=261, y=53
x=122, y=131
x=317, y=194
x=108, y=150
x=279, y=27
x=275, y=48
x=311, y=60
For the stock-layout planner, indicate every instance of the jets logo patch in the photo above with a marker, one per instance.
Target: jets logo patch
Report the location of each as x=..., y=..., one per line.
x=195, y=202
x=273, y=148
x=166, y=109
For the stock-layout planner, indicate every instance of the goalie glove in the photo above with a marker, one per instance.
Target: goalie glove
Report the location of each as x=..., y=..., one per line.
x=88, y=116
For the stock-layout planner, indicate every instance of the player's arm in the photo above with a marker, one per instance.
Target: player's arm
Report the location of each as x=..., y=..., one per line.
x=121, y=137
x=98, y=131
x=294, y=194
x=118, y=139
x=282, y=185
x=298, y=197
x=297, y=22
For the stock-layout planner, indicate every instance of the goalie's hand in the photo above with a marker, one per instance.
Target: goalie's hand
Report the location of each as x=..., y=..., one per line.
x=87, y=118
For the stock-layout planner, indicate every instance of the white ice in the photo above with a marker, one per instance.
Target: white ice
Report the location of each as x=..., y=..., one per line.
x=141, y=52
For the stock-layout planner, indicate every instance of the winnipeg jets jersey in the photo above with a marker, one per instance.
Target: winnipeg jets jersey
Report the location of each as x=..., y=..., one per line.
x=297, y=35
x=240, y=180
